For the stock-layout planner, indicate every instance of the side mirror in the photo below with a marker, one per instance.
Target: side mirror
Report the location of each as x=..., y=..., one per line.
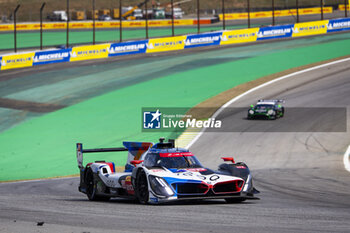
x=227, y=159
x=136, y=162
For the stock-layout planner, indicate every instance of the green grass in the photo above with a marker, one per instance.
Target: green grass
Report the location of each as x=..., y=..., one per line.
x=45, y=146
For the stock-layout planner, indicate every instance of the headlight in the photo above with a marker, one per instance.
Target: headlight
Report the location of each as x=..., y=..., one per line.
x=247, y=183
x=160, y=186
x=270, y=112
x=251, y=112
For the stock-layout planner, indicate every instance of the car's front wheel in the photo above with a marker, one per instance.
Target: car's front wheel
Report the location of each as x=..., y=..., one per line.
x=141, y=188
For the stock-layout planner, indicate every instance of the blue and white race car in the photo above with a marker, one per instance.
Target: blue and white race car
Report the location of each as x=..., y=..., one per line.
x=163, y=173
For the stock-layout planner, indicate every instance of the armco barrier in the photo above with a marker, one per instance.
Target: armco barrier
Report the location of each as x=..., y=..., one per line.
x=80, y=53
x=278, y=13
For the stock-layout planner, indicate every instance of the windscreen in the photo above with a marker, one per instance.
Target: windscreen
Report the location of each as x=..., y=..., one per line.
x=172, y=160
x=263, y=106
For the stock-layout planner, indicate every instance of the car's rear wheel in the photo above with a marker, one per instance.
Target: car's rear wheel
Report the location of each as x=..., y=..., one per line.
x=274, y=116
x=141, y=190
x=235, y=200
x=91, y=189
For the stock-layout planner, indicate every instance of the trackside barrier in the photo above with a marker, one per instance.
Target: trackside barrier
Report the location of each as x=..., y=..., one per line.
x=278, y=13
x=165, y=22
x=80, y=53
x=109, y=24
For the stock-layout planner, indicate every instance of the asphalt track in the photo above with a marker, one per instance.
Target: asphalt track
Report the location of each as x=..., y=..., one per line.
x=304, y=186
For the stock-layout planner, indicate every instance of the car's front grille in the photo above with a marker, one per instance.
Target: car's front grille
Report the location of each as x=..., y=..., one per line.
x=228, y=187
x=190, y=188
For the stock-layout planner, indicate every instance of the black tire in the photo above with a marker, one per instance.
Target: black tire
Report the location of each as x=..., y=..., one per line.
x=282, y=113
x=141, y=189
x=91, y=187
x=235, y=200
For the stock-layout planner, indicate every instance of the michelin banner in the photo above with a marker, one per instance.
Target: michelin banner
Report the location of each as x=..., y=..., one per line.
x=90, y=52
x=310, y=28
x=127, y=48
x=205, y=39
x=166, y=44
x=17, y=61
x=336, y=25
x=239, y=36
x=53, y=56
x=275, y=32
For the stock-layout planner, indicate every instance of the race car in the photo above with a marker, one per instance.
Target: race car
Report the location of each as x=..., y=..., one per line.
x=266, y=109
x=158, y=173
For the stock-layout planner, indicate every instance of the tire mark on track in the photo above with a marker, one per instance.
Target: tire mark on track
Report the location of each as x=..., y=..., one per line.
x=29, y=106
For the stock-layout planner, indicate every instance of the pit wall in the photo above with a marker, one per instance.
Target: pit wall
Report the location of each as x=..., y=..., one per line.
x=80, y=53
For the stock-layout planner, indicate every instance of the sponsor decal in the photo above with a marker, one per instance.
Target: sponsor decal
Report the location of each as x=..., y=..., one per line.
x=196, y=169
x=335, y=25
x=125, y=48
x=312, y=28
x=157, y=170
x=278, y=13
x=205, y=39
x=17, y=61
x=172, y=155
x=7, y=27
x=239, y=36
x=341, y=7
x=275, y=32
x=89, y=52
x=153, y=199
x=128, y=185
x=166, y=44
x=53, y=56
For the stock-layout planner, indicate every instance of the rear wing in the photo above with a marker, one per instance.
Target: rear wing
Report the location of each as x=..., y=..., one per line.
x=80, y=152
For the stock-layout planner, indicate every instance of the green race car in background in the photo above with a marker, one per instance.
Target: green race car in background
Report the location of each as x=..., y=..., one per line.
x=266, y=109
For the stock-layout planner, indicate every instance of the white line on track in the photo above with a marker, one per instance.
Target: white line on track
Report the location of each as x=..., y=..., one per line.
x=347, y=153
